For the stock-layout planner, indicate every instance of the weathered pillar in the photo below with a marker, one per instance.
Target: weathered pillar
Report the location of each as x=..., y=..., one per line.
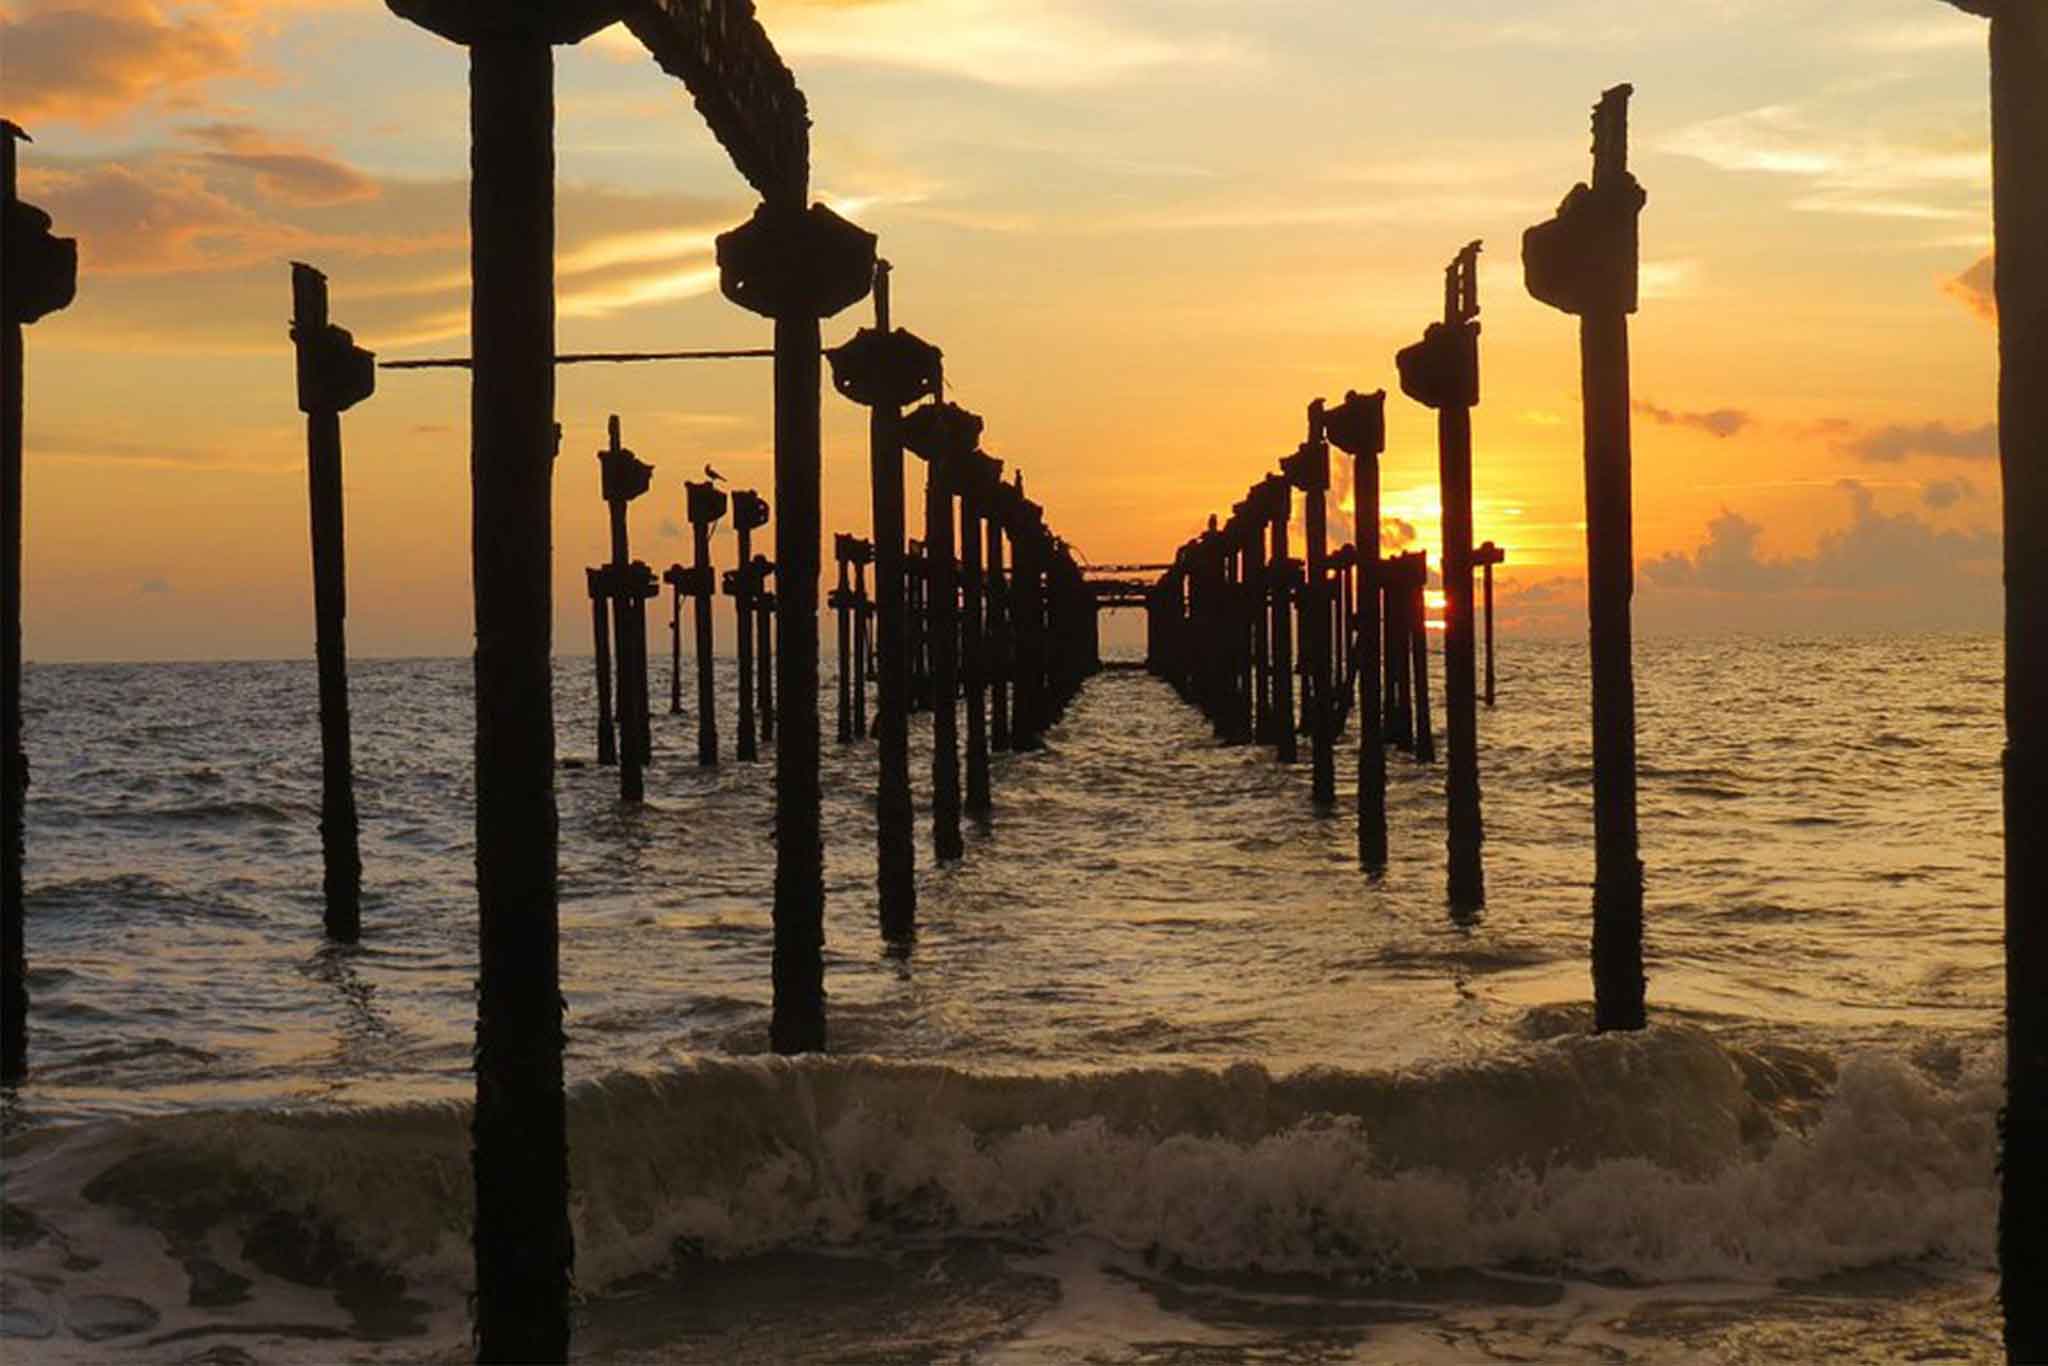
x=797, y=266
x=622, y=478
x=1486, y=557
x=38, y=276
x=1397, y=713
x=1285, y=578
x=334, y=374
x=1259, y=588
x=524, y=1248
x=944, y=435
x=705, y=503
x=840, y=601
x=599, y=584
x=749, y=512
x=1418, y=645
x=980, y=475
x=884, y=369
x=2019, y=154
x=1308, y=469
x=1442, y=372
x=999, y=635
x=1583, y=261
x=674, y=577
x=918, y=624
x=764, y=644
x=1358, y=427
x=863, y=635
x=1027, y=721
x=1342, y=561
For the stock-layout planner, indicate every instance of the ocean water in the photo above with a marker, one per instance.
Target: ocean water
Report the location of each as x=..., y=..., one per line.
x=1165, y=1079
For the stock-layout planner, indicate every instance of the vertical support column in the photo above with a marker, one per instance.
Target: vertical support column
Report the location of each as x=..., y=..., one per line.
x=942, y=632
x=2019, y=143
x=841, y=602
x=524, y=1248
x=1308, y=469
x=764, y=646
x=736, y=584
x=622, y=478
x=1260, y=589
x=1358, y=426
x=705, y=503
x=1584, y=261
x=1028, y=606
x=673, y=576
x=333, y=374
x=863, y=644
x=1486, y=557
x=1418, y=645
x=1286, y=572
x=38, y=275
x=601, y=653
x=999, y=635
x=974, y=644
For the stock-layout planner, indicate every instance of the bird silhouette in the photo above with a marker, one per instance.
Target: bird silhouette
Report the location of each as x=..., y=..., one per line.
x=713, y=475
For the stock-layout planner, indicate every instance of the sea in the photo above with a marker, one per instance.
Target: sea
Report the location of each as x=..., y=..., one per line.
x=1165, y=1079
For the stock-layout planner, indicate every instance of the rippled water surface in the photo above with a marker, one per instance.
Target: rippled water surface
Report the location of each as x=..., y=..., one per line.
x=1158, y=1038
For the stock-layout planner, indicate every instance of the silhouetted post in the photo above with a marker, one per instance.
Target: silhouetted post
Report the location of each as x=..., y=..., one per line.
x=1418, y=644
x=797, y=265
x=675, y=577
x=998, y=635
x=1308, y=469
x=1396, y=713
x=1240, y=533
x=1442, y=372
x=915, y=583
x=705, y=504
x=1342, y=561
x=885, y=369
x=2019, y=152
x=863, y=628
x=1285, y=578
x=764, y=644
x=1486, y=557
x=524, y=1248
x=599, y=584
x=980, y=473
x=623, y=477
x=1259, y=588
x=1027, y=603
x=1358, y=427
x=334, y=375
x=841, y=602
x=944, y=434
x=38, y=276
x=749, y=511
x=1583, y=261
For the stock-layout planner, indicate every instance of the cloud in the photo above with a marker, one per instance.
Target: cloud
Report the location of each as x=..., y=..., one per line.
x=283, y=170
x=155, y=586
x=1866, y=173
x=668, y=530
x=1973, y=288
x=1946, y=493
x=90, y=61
x=1033, y=44
x=1896, y=441
x=1719, y=421
x=1727, y=562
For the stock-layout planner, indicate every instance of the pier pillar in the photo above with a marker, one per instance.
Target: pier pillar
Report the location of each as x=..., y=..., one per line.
x=840, y=600
x=1486, y=557
x=1584, y=262
x=1285, y=575
x=1442, y=372
x=749, y=513
x=998, y=633
x=705, y=504
x=334, y=374
x=1358, y=427
x=944, y=435
x=38, y=276
x=622, y=478
x=1418, y=646
x=863, y=635
x=1308, y=470
x=601, y=658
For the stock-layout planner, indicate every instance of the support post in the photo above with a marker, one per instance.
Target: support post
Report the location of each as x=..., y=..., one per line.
x=1286, y=575
x=705, y=504
x=334, y=374
x=863, y=642
x=601, y=655
x=1584, y=261
x=944, y=434
x=38, y=276
x=749, y=510
x=841, y=603
x=1358, y=426
x=974, y=646
x=1308, y=469
x=1418, y=645
x=999, y=634
x=673, y=576
x=1486, y=557
x=623, y=477
x=764, y=646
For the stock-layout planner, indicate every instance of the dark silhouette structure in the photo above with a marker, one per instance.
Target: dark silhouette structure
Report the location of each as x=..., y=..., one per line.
x=334, y=374
x=38, y=276
x=1584, y=261
x=944, y=435
x=978, y=476
x=845, y=608
x=885, y=369
x=1442, y=372
x=1308, y=470
x=749, y=514
x=1358, y=427
x=1485, y=557
x=628, y=584
x=704, y=504
x=759, y=570
x=2019, y=152
x=599, y=583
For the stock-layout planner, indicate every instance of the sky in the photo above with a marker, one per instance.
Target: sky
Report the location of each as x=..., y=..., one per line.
x=1146, y=234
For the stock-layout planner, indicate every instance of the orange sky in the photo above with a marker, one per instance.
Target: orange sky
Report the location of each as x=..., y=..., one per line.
x=1146, y=232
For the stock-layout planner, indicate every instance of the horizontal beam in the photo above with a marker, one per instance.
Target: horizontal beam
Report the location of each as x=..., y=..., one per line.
x=588, y=358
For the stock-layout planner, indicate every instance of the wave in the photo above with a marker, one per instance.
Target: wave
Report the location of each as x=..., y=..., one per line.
x=1658, y=1156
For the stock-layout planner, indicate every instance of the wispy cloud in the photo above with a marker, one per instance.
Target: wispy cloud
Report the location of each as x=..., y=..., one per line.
x=1718, y=421
x=1868, y=173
